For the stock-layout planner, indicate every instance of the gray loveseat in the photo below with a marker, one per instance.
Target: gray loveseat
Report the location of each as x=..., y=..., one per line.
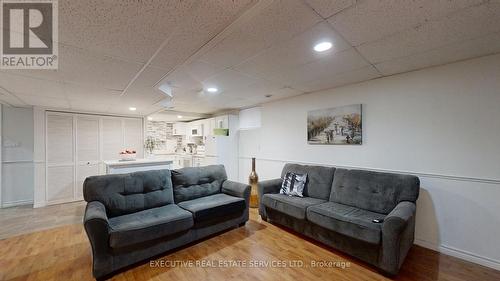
x=133, y=217
x=338, y=209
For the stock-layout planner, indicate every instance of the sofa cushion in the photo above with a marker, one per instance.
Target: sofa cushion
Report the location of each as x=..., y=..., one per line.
x=373, y=191
x=148, y=224
x=195, y=182
x=290, y=205
x=347, y=220
x=129, y=193
x=214, y=207
x=319, y=179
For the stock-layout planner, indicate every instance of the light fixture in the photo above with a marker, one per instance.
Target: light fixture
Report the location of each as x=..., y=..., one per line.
x=132, y=108
x=212, y=90
x=323, y=46
x=179, y=116
x=150, y=118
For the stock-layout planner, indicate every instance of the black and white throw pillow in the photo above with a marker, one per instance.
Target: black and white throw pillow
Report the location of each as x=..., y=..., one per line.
x=293, y=184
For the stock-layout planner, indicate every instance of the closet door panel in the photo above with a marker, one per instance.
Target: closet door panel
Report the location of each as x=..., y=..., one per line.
x=87, y=151
x=59, y=139
x=60, y=184
x=60, y=158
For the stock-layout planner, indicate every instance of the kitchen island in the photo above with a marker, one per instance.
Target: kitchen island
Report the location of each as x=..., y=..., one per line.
x=122, y=167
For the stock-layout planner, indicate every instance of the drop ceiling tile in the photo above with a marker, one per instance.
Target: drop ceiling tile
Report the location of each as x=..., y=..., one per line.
x=86, y=92
x=295, y=52
x=201, y=70
x=371, y=20
x=61, y=103
x=86, y=105
x=143, y=85
x=31, y=86
x=344, y=61
x=205, y=20
x=84, y=67
x=285, y=92
x=461, y=26
x=278, y=22
x=230, y=80
x=181, y=79
x=327, y=8
x=340, y=79
x=489, y=44
x=258, y=89
x=128, y=29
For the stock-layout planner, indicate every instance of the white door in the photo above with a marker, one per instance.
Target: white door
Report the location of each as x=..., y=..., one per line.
x=87, y=151
x=60, y=175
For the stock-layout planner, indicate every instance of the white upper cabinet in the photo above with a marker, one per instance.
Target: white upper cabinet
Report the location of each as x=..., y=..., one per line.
x=179, y=129
x=222, y=122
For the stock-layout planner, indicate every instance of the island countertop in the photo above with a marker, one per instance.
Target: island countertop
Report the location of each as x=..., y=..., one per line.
x=121, y=167
x=138, y=162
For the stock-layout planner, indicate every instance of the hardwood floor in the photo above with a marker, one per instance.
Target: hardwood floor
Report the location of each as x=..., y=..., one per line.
x=63, y=253
x=26, y=219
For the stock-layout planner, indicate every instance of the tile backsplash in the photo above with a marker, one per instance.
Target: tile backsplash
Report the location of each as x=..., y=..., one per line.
x=161, y=131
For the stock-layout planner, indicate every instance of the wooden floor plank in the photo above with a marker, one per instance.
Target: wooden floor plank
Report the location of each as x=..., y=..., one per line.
x=63, y=253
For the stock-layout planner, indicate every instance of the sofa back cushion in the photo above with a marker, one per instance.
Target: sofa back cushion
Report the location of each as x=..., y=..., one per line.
x=373, y=191
x=195, y=182
x=128, y=193
x=319, y=179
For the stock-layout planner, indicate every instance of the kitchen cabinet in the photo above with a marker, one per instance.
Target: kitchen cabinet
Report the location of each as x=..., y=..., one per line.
x=195, y=130
x=222, y=122
x=179, y=129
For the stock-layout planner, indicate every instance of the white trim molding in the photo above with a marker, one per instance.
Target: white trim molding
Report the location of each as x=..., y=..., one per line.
x=461, y=254
x=415, y=173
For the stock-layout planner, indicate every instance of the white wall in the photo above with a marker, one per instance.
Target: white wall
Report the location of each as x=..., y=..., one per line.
x=442, y=124
x=17, y=156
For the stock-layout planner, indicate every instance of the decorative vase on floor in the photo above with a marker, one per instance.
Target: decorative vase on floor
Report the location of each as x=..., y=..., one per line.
x=253, y=180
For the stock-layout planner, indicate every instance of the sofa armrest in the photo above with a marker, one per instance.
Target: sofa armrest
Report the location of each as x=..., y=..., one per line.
x=264, y=187
x=396, y=221
x=97, y=228
x=237, y=189
x=95, y=210
x=398, y=233
x=269, y=186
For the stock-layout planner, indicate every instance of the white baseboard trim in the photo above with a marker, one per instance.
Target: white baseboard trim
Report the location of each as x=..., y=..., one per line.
x=17, y=203
x=461, y=254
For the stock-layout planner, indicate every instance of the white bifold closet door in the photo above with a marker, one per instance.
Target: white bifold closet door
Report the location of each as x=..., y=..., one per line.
x=77, y=145
x=60, y=158
x=87, y=151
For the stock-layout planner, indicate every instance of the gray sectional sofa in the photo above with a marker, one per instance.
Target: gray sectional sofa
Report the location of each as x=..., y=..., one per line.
x=338, y=209
x=133, y=217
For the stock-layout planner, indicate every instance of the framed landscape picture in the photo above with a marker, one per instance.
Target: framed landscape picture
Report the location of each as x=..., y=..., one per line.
x=339, y=125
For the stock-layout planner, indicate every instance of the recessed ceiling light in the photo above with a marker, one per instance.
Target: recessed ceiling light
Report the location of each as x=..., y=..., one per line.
x=132, y=108
x=179, y=116
x=212, y=90
x=323, y=46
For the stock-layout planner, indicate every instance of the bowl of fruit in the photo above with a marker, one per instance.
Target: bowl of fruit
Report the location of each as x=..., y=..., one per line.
x=128, y=155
